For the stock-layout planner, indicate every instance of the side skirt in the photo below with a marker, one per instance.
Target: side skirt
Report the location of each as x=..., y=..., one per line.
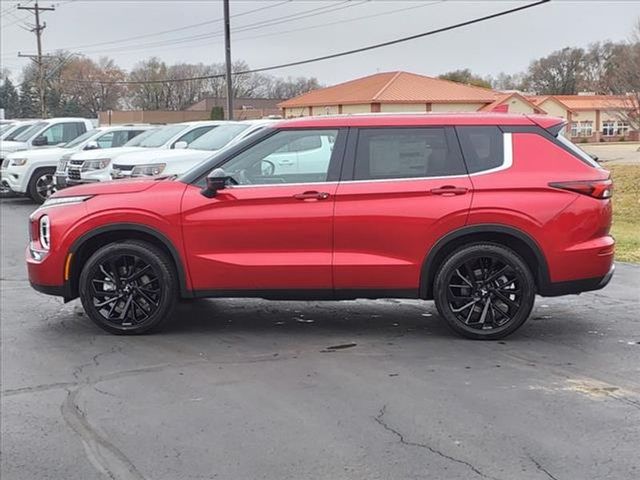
x=319, y=294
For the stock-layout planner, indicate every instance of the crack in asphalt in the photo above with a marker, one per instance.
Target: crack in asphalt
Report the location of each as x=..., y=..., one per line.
x=106, y=458
x=542, y=469
x=379, y=420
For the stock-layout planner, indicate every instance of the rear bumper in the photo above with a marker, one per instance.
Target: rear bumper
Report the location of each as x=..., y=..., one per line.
x=577, y=286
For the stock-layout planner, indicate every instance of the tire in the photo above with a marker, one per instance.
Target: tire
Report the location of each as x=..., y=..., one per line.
x=140, y=305
x=42, y=184
x=484, y=291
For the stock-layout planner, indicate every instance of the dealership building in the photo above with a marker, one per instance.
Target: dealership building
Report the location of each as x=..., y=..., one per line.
x=591, y=117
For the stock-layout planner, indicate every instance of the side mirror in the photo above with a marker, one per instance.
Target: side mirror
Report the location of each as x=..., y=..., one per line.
x=92, y=145
x=216, y=180
x=40, y=141
x=180, y=145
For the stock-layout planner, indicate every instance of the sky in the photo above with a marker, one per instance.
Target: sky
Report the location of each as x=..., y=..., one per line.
x=281, y=31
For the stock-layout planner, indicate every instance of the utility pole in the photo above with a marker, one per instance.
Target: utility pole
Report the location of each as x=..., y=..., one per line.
x=227, y=59
x=37, y=29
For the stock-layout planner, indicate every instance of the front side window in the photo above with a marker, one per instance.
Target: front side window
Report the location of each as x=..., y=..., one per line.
x=278, y=159
x=54, y=134
x=193, y=134
x=218, y=137
x=136, y=140
x=482, y=147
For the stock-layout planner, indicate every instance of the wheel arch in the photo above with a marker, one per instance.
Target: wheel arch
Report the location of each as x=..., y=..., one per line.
x=511, y=237
x=88, y=243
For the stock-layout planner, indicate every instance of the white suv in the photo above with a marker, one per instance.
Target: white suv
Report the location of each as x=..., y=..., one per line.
x=95, y=166
x=175, y=162
x=46, y=133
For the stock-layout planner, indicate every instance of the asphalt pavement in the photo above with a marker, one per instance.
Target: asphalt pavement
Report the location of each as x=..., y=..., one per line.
x=250, y=389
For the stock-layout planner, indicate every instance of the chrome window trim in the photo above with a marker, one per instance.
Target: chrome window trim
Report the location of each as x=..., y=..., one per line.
x=507, y=162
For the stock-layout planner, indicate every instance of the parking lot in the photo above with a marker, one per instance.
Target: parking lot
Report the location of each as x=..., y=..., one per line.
x=244, y=389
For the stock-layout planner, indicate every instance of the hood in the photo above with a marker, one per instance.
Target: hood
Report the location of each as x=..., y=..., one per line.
x=162, y=156
x=104, y=153
x=42, y=153
x=107, y=188
x=8, y=147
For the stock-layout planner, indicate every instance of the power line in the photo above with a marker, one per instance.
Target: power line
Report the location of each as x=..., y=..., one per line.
x=186, y=27
x=172, y=45
x=252, y=26
x=331, y=56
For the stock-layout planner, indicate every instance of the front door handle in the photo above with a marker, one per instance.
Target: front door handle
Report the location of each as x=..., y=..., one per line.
x=311, y=195
x=449, y=191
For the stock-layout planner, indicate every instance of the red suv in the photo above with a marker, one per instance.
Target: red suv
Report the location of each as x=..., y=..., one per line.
x=478, y=212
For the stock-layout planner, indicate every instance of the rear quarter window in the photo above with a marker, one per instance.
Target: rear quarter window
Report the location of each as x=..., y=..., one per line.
x=482, y=147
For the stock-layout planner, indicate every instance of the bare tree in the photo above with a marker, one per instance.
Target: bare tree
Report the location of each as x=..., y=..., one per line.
x=560, y=73
x=624, y=78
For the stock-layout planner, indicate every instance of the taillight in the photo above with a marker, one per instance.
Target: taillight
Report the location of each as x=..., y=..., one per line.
x=601, y=189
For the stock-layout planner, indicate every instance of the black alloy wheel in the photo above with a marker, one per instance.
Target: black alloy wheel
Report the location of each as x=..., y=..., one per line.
x=484, y=291
x=128, y=287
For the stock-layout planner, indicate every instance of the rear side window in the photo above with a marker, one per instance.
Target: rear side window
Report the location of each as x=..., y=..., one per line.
x=482, y=147
x=388, y=153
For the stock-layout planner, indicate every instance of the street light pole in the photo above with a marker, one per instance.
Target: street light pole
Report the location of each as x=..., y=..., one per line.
x=227, y=58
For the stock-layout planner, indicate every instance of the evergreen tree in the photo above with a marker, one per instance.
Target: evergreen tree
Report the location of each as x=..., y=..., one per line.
x=28, y=101
x=9, y=99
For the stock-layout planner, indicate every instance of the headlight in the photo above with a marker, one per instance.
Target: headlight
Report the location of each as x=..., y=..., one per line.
x=62, y=165
x=148, y=170
x=53, y=202
x=98, y=164
x=17, y=162
x=45, y=232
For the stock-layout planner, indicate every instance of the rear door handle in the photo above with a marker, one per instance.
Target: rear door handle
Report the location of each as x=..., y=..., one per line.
x=449, y=191
x=311, y=195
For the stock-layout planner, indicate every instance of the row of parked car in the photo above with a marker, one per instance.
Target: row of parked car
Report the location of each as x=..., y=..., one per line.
x=41, y=156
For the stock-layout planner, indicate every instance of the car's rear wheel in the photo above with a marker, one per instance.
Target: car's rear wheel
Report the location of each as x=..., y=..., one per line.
x=484, y=291
x=42, y=184
x=128, y=287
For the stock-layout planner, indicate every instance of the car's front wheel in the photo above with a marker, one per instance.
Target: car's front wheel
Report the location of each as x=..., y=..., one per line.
x=42, y=184
x=484, y=291
x=128, y=287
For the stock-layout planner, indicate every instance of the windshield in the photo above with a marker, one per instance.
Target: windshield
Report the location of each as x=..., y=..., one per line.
x=581, y=154
x=135, y=141
x=29, y=132
x=218, y=137
x=10, y=136
x=161, y=136
x=77, y=141
x=6, y=127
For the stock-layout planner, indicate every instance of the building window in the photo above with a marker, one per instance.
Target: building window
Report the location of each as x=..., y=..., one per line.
x=612, y=128
x=582, y=129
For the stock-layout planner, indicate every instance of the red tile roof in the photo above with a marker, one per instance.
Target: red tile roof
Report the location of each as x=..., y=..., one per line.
x=586, y=102
x=393, y=87
x=504, y=97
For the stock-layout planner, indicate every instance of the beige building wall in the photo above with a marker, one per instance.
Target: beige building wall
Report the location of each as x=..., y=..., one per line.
x=328, y=110
x=553, y=109
x=456, y=107
x=516, y=105
x=585, y=116
x=365, y=108
x=296, y=112
x=403, y=107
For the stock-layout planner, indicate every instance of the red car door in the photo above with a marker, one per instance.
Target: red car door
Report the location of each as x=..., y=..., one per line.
x=272, y=231
x=409, y=187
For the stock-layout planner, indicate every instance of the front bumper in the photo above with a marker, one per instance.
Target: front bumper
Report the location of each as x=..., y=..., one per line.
x=12, y=180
